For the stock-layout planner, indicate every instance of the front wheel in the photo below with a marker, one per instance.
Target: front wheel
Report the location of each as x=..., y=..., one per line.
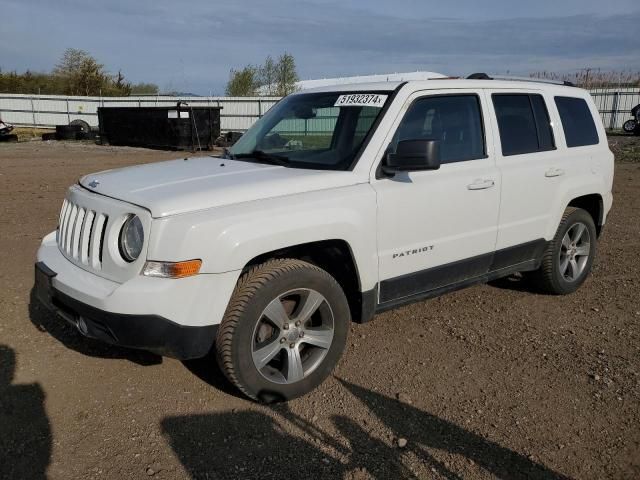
x=568, y=258
x=284, y=330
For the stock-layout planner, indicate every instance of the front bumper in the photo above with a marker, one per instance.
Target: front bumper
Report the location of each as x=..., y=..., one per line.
x=176, y=318
x=148, y=332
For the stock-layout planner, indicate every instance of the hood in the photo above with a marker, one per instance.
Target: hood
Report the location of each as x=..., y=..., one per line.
x=186, y=185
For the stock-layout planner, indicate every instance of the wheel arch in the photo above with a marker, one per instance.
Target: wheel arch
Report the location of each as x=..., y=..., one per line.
x=592, y=204
x=336, y=257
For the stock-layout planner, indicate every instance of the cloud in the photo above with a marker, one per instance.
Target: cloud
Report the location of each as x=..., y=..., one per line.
x=192, y=46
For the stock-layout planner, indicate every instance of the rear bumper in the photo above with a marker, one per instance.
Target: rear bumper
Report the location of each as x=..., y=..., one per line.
x=148, y=332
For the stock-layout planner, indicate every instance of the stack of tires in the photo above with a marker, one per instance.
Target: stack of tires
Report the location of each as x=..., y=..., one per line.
x=76, y=130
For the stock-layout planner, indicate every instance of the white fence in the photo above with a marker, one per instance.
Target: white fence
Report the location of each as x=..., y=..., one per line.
x=238, y=113
x=615, y=105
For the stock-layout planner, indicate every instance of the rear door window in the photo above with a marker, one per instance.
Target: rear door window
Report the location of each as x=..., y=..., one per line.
x=523, y=122
x=577, y=122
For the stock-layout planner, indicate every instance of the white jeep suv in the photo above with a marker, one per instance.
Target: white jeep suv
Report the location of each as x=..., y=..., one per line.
x=340, y=203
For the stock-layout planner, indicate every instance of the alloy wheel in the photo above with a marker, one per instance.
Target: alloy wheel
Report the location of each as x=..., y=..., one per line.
x=574, y=252
x=292, y=336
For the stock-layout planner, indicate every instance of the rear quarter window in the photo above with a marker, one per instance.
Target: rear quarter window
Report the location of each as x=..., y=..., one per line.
x=577, y=122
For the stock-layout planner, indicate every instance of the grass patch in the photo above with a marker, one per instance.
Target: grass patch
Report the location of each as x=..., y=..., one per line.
x=626, y=148
x=25, y=133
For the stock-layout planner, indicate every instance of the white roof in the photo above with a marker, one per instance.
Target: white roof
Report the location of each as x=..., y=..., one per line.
x=384, y=77
x=447, y=83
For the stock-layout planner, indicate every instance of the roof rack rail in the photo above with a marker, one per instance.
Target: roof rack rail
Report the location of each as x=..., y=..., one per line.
x=484, y=76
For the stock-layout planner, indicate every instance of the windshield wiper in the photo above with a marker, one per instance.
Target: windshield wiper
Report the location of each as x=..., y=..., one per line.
x=262, y=156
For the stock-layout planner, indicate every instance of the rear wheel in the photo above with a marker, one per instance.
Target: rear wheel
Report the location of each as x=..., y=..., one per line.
x=284, y=330
x=567, y=261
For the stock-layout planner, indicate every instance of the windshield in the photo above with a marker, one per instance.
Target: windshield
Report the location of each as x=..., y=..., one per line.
x=312, y=130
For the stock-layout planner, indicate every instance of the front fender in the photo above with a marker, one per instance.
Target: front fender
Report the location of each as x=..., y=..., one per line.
x=227, y=238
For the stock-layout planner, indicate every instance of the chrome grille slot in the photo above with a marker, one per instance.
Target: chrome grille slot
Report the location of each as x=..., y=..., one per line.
x=85, y=236
x=64, y=226
x=71, y=221
x=96, y=242
x=77, y=227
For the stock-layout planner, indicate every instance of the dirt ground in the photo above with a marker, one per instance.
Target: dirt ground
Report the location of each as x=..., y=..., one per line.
x=490, y=382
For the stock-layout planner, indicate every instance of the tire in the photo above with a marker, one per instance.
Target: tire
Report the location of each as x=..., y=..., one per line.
x=49, y=136
x=67, y=132
x=261, y=317
x=85, y=128
x=629, y=126
x=558, y=274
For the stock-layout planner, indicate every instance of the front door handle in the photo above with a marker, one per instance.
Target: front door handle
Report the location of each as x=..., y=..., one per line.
x=481, y=185
x=554, y=172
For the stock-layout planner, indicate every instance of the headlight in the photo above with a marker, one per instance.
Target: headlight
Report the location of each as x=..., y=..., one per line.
x=131, y=238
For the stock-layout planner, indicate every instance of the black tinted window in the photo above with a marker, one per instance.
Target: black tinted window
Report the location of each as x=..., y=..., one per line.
x=577, y=122
x=524, y=123
x=543, y=122
x=455, y=121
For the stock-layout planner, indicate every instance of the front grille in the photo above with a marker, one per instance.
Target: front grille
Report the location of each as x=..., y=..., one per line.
x=81, y=234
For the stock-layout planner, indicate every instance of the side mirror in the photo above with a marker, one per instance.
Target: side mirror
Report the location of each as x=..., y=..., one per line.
x=413, y=155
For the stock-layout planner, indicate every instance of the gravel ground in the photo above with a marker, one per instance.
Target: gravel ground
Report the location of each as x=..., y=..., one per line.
x=490, y=382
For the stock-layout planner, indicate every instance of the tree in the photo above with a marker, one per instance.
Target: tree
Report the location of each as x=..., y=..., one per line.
x=286, y=75
x=71, y=62
x=143, y=88
x=81, y=73
x=272, y=78
x=269, y=77
x=243, y=83
x=77, y=73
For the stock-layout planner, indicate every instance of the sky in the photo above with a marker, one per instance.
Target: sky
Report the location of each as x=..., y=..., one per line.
x=190, y=46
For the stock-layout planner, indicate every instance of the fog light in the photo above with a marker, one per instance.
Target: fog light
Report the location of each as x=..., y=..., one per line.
x=82, y=326
x=187, y=268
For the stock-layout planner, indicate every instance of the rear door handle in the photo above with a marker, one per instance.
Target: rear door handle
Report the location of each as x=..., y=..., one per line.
x=554, y=172
x=481, y=185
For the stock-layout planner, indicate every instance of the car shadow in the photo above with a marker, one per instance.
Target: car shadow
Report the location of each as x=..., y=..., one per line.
x=47, y=321
x=516, y=282
x=207, y=370
x=258, y=444
x=246, y=444
x=25, y=432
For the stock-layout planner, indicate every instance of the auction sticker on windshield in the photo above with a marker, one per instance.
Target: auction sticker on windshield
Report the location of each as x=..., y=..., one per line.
x=361, y=100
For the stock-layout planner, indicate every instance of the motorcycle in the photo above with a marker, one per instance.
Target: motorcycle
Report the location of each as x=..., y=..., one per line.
x=633, y=125
x=5, y=132
x=5, y=128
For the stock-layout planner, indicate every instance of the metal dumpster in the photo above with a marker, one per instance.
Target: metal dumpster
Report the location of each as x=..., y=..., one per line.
x=179, y=127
